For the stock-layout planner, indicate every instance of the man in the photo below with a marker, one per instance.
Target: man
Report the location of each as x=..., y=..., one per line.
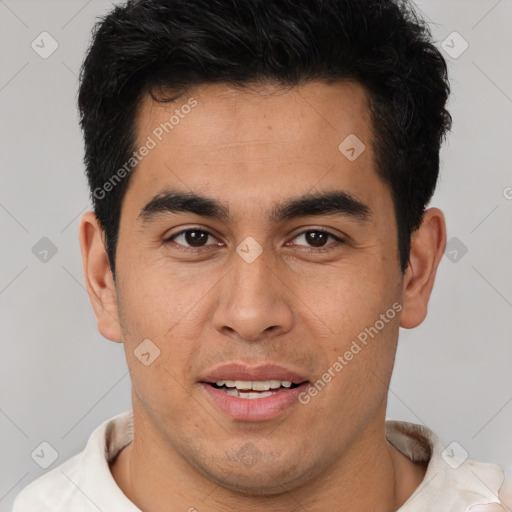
x=260, y=172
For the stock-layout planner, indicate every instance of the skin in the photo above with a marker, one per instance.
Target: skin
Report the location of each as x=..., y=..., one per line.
x=252, y=149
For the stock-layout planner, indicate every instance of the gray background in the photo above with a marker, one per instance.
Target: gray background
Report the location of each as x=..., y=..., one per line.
x=60, y=379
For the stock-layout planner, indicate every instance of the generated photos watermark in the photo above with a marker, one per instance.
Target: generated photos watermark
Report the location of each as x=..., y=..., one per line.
x=157, y=135
x=356, y=347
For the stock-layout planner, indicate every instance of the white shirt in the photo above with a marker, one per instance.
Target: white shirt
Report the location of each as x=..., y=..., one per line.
x=84, y=482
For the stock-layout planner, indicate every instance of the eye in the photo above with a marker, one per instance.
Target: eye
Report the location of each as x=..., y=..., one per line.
x=192, y=238
x=317, y=239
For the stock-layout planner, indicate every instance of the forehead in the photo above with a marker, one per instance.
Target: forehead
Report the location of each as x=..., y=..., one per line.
x=257, y=141
x=228, y=119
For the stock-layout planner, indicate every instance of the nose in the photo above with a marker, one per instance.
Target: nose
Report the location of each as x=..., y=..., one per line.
x=253, y=301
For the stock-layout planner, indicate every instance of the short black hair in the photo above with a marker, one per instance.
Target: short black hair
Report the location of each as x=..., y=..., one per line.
x=144, y=46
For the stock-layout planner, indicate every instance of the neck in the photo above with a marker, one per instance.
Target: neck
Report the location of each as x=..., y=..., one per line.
x=371, y=475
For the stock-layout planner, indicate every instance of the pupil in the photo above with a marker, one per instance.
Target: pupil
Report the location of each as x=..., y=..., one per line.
x=316, y=238
x=195, y=238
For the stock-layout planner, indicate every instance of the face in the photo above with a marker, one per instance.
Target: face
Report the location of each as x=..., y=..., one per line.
x=258, y=280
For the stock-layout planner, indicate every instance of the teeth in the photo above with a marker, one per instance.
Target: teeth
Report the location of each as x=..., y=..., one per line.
x=260, y=385
x=243, y=384
x=256, y=385
x=262, y=395
x=246, y=394
x=250, y=396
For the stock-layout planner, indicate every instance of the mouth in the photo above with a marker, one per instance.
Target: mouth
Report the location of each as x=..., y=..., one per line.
x=253, y=389
x=250, y=394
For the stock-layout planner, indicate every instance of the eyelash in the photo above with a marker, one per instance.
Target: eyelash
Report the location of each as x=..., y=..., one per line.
x=324, y=249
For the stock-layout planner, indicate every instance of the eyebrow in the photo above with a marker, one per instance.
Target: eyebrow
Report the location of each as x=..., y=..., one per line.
x=336, y=202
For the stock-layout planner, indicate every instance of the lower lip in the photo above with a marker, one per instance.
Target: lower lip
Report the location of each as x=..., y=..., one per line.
x=254, y=409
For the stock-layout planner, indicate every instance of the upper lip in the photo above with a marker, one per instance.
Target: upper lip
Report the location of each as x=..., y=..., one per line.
x=237, y=371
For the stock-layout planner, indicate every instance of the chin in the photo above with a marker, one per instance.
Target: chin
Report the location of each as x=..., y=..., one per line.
x=248, y=484
x=261, y=477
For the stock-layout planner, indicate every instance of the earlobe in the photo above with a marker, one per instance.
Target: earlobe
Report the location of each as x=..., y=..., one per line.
x=427, y=248
x=98, y=277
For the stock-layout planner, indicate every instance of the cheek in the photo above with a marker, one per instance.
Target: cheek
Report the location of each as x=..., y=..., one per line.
x=168, y=311
x=153, y=299
x=348, y=299
x=359, y=355
x=363, y=317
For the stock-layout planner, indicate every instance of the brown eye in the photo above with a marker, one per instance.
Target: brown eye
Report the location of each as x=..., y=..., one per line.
x=192, y=238
x=316, y=238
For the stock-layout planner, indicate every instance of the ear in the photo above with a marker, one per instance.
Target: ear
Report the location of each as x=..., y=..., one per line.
x=99, y=280
x=427, y=247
